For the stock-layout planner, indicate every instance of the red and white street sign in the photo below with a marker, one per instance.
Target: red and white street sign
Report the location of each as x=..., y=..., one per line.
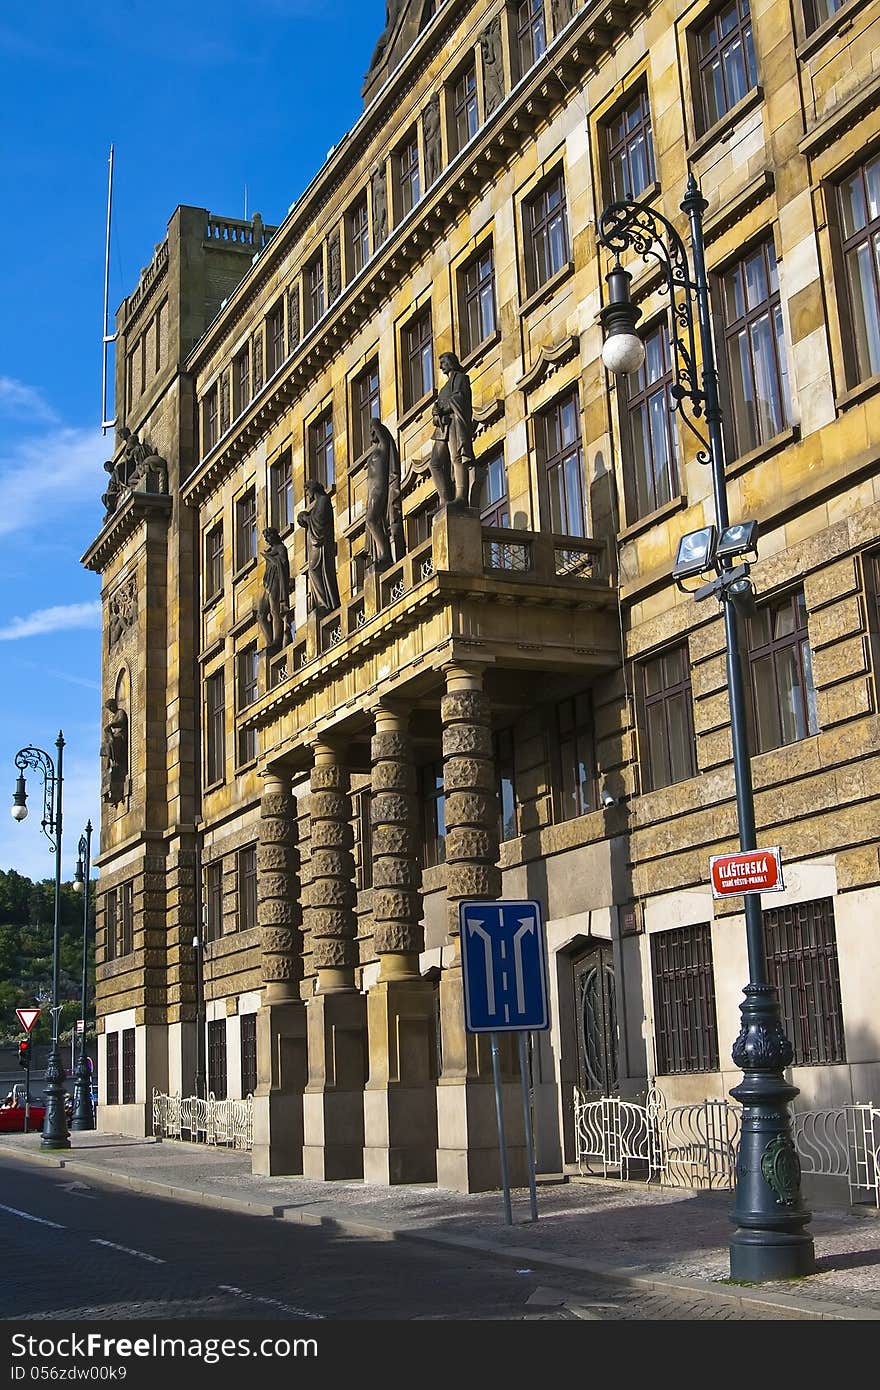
x=750, y=871
x=79, y=1025
x=27, y=1018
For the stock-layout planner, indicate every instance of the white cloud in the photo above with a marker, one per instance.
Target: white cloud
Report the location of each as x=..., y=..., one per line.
x=57, y=619
x=41, y=475
x=22, y=401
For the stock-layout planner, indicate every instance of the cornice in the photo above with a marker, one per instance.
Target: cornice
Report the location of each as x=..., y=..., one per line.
x=549, y=360
x=138, y=507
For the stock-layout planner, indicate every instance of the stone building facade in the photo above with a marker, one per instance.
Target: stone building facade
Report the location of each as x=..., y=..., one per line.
x=522, y=702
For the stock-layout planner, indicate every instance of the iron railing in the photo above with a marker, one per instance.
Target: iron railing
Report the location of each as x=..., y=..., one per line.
x=211, y=1121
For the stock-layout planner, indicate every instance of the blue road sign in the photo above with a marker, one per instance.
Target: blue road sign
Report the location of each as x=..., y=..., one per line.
x=504, y=966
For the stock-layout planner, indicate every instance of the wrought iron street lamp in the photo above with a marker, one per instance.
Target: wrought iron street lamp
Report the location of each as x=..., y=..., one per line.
x=83, y=1110
x=771, y=1241
x=55, y=1134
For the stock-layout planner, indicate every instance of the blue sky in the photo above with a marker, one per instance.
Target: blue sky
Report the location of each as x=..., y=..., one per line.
x=199, y=102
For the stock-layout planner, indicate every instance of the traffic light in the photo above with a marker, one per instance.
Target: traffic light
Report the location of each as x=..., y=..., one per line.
x=24, y=1052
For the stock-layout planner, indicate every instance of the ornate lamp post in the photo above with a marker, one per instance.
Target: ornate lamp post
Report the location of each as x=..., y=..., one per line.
x=83, y=1110
x=770, y=1242
x=55, y=1134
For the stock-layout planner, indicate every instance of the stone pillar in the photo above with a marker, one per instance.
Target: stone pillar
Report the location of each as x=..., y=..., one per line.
x=400, y=1106
x=334, y=1103
x=467, y=1156
x=281, y=1021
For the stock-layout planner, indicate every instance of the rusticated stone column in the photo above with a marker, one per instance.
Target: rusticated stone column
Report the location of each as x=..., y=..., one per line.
x=281, y=1021
x=400, y=1108
x=333, y=1107
x=467, y=1156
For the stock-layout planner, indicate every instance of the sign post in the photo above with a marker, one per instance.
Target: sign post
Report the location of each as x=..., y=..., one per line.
x=505, y=991
x=27, y=1018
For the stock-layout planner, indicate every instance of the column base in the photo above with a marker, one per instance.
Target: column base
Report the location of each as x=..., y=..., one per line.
x=278, y=1101
x=333, y=1103
x=757, y=1256
x=400, y=1105
x=468, y=1159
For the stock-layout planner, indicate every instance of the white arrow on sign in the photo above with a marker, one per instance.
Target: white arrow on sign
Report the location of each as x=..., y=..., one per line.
x=526, y=924
x=477, y=929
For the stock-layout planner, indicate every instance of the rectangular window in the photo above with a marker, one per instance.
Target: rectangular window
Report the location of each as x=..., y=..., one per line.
x=321, y=462
x=505, y=774
x=781, y=673
x=364, y=406
x=465, y=116
x=214, y=562
x=816, y=12
x=685, y=1026
x=801, y=947
x=275, y=339
x=860, y=234
x=546, y=234
x=493, y=504
x=531, y=34
x=359, y=235
x=246, y=683
x=241, y=380
x=248, y=1025
x=210, y=419
x=666, y=721
x=315, y=301
x=363, y=838
x=652, y=479
x=112, y=1065
x=111, y=926
x=725, y=60
x=559, y=442
x=126, y=919
x=281, y=492
x=217, y=1058
x=417, y=353
x=630, y=146
x=757, y=369
x=246, y=528
x=418, y=527
x=128, y=1067
x=215, y=720
x=433, y=815
x=575, y=780
x=246, y=874
x=214, y=901
x=476, y=295
x=407, y=166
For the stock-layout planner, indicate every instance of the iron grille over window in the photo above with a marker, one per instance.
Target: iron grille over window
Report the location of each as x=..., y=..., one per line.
x=631, y=150
x=667, y=723
x=248, y=1026
x=434, y=815
x=321, y=460
x=860, y=229
x=726, y=60
x=245, y=528
x=559, y=438
x=546, y=238
x=214, y=901
x=781, y=670
x=246, y=866
x=476, y=286
x=531, y=35
x=685, y=1028
x=281, y=492
x=653, y=478
x=215, y=702
x=465, y=117
x=214, y=562
x=757, y=369
x=575, y=780
x=112, y=1068
x=217, y=1058
x=365, y=405
x=801, y=949
x=128, y=1067
x=418, y=366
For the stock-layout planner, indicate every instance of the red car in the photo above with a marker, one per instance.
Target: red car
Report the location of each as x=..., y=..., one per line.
x=12, y=1113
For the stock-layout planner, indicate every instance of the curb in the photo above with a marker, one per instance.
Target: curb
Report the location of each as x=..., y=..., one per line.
x=808, y=1308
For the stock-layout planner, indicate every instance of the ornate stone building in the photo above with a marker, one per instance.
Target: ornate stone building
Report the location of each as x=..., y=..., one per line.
x=353, y=703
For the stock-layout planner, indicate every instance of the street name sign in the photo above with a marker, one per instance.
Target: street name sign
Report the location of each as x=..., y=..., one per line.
x=750, y=871
x=504, y=966
x=27, y=1018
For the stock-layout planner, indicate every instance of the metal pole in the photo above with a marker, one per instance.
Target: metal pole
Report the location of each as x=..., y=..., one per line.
x=83, y=1111
x=27, y=1088
x=55, y=1134
x=499, y=1116
x=108, y=338
x=527, y=1121
x=768, y=1210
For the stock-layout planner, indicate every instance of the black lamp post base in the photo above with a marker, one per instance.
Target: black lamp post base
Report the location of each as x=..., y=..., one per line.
x=757, y=1256
x=83, y=1116
x=55, y=1135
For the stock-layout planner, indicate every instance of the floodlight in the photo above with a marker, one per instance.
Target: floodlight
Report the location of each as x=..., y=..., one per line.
x=696, y=552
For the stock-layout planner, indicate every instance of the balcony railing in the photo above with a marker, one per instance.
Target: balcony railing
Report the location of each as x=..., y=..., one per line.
x=541, y=558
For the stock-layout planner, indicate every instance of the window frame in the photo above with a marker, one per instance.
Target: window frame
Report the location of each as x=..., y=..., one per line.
x=703, y=61
x=211, y=418
x=364, y=406
x=315, y=287
x=215, y=728
x=538, y=219
x=217, y=1058
x=472, y=299
x=112, y=1065
x=555, y=464
x=771, y=308
x=504, y=753
x=128, y=1067
x=246, y=694
x=111, y=926
x=581, y=729
x=495, y=511
x=214, y=558
x=246, y=887
x=529, y=20
x=753, y=654
x=245, y=528
x=417, y=347
x=320, y=448
x=665, y=696
x=281, y=490
x=641, y=493
x=692, y=1048
x=275, y=339
x=407, y=172
x=817, y=1027
x=248, y=1054
x=464, y=110
x=213, y=901
x=614, y=146
x=433, y=800
x=241, y=380
x=358, y=234
x=868, y=235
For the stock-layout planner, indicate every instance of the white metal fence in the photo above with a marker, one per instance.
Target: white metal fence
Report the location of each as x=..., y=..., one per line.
x=211, y=1121
x=695, y=1145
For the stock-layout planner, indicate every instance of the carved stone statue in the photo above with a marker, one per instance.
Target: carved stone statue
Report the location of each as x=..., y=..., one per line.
x=115, y=489
x=384, y=514
x=114, y=754
x=317, y=518
x=138, y=469
x=392, y=13
x=493, y=65
x=452, y=464
x=273, y=610
x=380, y=206
x=334, y=268
x=562, y=12
x=431, y=127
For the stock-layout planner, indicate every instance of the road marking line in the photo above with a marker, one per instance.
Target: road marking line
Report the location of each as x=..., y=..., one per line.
x=14, y=1211
x=126, y=1250
x=271, y=1302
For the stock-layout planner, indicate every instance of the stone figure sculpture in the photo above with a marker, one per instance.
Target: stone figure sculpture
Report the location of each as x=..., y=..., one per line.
x=273, y=609
x=493, y=65
x=384, y=513
x=334, y=268
x=138, y=469
x=392, y=14
x=114, y=754
x=562, y=12
x=380, y=206
x=431, y=127
x=452, y=465
x=317, y=518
